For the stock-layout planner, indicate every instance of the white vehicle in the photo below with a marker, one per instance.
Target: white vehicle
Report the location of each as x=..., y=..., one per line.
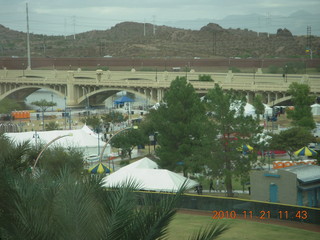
x=92, y=158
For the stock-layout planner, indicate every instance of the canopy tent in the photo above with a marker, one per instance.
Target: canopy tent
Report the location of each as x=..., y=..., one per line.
x=100, y=168
x=267, y=110
x=245, y=148
x=249, y=110
x=144, y=163
x=161, y=180
x=123, y=99
x=305, y=151
x=83, y=138
x=315, y=109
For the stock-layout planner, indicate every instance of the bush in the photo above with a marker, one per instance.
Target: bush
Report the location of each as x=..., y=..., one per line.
x=273, y=69
x=294, y=67
x=206, y=78
x=234, y=69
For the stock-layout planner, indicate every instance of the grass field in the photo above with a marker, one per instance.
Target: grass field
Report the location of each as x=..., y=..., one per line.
x=184, y=225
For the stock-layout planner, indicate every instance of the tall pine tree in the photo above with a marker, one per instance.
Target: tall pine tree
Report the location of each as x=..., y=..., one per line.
x=225, y=155
x=180, y=122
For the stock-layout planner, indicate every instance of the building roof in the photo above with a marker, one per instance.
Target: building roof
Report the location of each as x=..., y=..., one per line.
x=305, y=173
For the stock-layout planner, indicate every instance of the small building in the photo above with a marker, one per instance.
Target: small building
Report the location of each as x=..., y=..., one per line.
x=295, y=185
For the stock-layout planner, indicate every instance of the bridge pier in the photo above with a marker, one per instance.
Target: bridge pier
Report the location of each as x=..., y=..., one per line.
x=71, y=89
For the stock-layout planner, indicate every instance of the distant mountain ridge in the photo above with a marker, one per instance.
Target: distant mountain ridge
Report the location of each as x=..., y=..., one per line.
x=131, y=39
x=297, y=22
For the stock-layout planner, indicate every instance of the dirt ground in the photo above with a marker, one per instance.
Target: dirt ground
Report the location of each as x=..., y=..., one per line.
x=300, y=225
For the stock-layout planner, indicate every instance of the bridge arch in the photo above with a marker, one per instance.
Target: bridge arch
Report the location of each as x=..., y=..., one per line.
x=20, y=93
x=99, y=96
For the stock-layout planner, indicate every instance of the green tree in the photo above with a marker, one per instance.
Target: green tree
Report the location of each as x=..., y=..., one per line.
x=43, y=105
x=258, y=105
x=128, y=140
x=301, y=115
x=92, y=121
x=8, y=105
x=13, y=155
x=234, y=130
x=292, y=139
x=114, y=117
x=52, y=126
x=56, y=158
x=179, y=121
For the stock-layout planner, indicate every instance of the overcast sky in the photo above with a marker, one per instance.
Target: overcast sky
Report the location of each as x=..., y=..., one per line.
x=60, y=17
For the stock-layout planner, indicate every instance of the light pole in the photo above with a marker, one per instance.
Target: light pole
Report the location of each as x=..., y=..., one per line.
x=52, y=101
x=46, y=146
x=109, y=140
x=65, y=112
x=36, y=137
x=286, y=73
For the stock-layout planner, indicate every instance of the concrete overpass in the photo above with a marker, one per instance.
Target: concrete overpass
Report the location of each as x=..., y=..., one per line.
x=78, y=86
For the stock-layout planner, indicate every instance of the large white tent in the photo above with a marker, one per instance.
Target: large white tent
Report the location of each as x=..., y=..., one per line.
x=145, y=163
x=315, y=108
x=160, y=180
x=83, y=138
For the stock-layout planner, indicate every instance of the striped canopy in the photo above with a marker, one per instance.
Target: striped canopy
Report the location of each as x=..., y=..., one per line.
x=245, y=148
x=100, y=168
x=305, y=151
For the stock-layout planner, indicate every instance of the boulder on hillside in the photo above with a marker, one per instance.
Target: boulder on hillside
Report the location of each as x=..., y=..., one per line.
x=212, y=27
x=284, y=33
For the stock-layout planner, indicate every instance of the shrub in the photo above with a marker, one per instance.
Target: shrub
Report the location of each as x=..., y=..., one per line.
x=273, y=69
x=206, y=78
x=234, y=69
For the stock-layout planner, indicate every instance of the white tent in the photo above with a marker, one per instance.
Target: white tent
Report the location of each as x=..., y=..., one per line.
x=143, y=163
x=161, y=180
x=267, y=110
x=249, y=110
x=315, y=108
x=83, y=138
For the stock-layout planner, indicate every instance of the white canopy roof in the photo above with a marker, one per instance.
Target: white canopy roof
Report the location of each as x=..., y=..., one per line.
x=315, y=108
x=145, y=163
x=82, y=138
x=161, y=180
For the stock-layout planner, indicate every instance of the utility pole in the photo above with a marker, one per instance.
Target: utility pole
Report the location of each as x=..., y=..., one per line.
x=65, y=28
x=74, y=27
x=28, y=39
x=214, y=43
x=309, y=47
x=268, y=21
x=154, y=25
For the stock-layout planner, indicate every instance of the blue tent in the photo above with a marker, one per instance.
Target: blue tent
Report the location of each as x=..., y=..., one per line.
x=123, y=99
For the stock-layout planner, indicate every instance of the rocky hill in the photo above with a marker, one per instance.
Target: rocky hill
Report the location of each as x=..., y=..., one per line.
x=129, y=39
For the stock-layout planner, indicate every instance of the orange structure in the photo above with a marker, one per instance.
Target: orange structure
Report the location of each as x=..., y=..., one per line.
x=282, y=164
x=20, y=114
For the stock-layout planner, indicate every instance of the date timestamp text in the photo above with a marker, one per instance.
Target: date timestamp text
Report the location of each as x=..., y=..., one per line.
x=285, y=215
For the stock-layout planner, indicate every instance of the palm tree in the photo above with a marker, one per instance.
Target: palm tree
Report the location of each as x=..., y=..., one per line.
x=62, y=204
x=62, y=207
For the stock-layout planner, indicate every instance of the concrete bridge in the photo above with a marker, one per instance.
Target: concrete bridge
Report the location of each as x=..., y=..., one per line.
x=96, y=86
